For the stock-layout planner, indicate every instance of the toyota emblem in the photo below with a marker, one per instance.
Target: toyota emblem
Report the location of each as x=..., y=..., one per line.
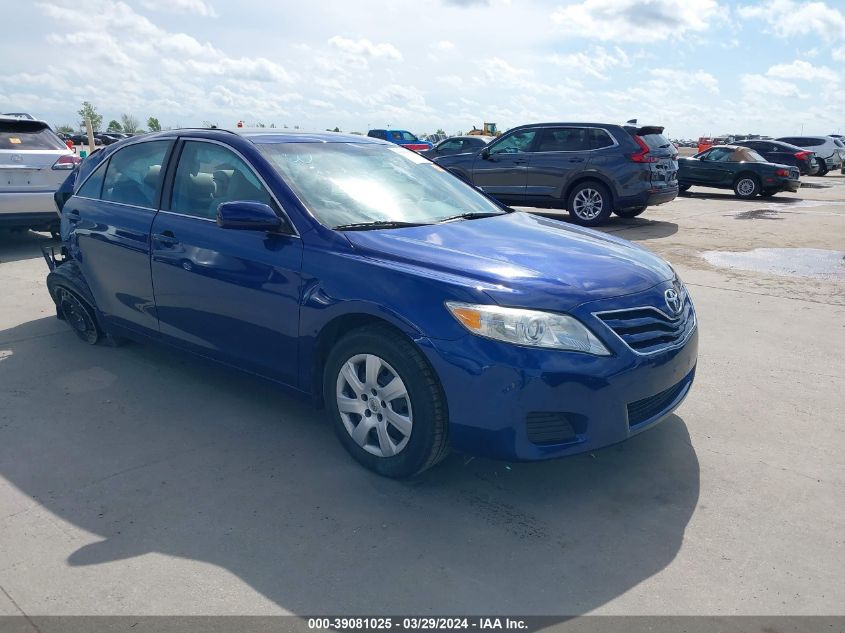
x=673, y=300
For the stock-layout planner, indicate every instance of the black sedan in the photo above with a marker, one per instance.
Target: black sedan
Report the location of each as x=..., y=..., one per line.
x=457, y=145
x=738, y=168
x=784, y=154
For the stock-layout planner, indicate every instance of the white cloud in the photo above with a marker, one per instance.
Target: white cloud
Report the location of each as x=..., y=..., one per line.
x=363, y=49
x=788, y=18
x=768, y=89
x=637, y=20
x=596, y=62
x=839, y=54
x=443, y=45
x=688, y=81
x=799, y=70
x=195, y=7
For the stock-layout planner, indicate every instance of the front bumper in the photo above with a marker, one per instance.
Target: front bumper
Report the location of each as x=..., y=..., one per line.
x=496, y=392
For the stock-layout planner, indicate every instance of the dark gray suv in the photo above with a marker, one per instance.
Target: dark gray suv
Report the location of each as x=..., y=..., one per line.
x=590, y=169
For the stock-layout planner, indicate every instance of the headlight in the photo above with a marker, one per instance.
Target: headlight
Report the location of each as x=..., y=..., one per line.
x=527, y=327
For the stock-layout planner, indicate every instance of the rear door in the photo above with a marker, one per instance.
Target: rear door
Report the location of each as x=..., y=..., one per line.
x=110, y=218
x=504, y=171
x=559, y=155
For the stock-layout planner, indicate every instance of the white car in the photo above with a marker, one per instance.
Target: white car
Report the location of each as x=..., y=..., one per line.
x=34, y=162
x=829, y=151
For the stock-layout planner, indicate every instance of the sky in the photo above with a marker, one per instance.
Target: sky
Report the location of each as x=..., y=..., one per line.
x=697, y=67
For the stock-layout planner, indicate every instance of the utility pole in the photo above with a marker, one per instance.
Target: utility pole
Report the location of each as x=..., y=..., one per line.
x=90, y=129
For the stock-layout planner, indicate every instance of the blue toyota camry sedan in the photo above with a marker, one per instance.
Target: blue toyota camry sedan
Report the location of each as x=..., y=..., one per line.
x=420, y=313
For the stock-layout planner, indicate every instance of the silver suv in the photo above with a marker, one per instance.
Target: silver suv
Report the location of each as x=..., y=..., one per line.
x=829, y=151
x=34, y=162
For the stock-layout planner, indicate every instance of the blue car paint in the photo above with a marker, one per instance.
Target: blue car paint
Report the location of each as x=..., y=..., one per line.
x=261, y=302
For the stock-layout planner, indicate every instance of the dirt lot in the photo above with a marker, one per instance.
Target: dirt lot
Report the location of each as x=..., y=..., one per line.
x=135, y=481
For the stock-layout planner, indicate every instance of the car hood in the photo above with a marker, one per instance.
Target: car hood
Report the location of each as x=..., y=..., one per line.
x=520, y=259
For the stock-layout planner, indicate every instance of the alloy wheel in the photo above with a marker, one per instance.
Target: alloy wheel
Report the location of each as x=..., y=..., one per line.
x=746, y=187
x=374, y=405
x=588, y=204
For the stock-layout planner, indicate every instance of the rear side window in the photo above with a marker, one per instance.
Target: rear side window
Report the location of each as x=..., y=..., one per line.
x=134, y=174
x=93, y=187
x=838, y=143
x=24, y=135
x=564, y=139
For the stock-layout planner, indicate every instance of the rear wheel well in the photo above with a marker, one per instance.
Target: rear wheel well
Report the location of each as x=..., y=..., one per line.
x=744, y=174
x=332, y=332
x=580, y=181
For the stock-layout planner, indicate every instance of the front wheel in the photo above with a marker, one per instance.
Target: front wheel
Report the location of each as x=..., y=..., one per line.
x=683, y=188
x=629, y=213
x=590, y=204
x=746, y=187
x=388, y=408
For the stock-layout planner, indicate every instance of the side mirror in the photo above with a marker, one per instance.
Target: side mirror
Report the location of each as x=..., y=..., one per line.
x=249, y=216
x=485, y=153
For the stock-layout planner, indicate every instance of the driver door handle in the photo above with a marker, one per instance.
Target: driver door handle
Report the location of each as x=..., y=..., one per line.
x=166, y=238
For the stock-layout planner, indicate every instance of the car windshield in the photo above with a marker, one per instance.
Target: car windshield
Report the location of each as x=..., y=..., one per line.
x=405, y=137
x=352, y=183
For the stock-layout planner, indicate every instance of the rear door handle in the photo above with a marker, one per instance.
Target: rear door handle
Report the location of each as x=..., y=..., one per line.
x=166, y=238
x=576, y=160
x=520, y=161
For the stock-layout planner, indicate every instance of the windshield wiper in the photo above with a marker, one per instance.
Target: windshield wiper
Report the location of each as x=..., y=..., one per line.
x=472, y=215
x=377, y=224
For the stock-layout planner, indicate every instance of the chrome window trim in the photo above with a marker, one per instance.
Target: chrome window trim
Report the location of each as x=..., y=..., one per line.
x=187, y=139
x=122, y=204
x=680, y=343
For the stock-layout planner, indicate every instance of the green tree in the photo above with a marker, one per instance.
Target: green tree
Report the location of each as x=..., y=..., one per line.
x=65, y=129
x=88, y=111
x=441, y=131
x=153, y=124
x=114, y=126
x=130, y=123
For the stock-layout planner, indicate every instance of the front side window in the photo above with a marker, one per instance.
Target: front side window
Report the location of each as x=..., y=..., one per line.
x=719, y=154
x=93, y=187
x=209, y=174
x=348, y=183
x=515, y=143
x=134, y=174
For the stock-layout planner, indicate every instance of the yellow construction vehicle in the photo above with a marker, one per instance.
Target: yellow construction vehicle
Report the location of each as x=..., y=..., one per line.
x=489, y=129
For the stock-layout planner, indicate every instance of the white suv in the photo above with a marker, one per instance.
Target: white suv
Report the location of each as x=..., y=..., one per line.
x=34, y=162
x=829, y=151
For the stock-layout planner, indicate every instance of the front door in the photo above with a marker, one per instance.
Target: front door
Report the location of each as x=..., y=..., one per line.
x=232, y=295
x=560, y=154
x=503, y=172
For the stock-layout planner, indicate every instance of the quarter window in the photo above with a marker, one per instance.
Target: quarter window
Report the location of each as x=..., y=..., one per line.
x=208, y=175
x=93, y=187
x=599, y=139
x=134, y=174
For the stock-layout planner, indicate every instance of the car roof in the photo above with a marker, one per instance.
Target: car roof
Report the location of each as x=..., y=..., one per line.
x=267, y=135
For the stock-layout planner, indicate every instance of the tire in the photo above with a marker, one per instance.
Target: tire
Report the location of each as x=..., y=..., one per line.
x=629, y=213
x=767, y=194
x=590, y=204
x=683, y=188
x=747, y=186
x=822, y=167
x=420, y=405
x=78, y=315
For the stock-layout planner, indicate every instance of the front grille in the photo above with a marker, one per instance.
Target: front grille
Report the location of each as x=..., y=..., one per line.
x=647, y=330
x=645, y=409
x=545, y=427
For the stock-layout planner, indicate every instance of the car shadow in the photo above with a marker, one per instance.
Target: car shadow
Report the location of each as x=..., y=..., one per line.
x=18, y=245
x=636, y=229
x=779, y=198
x=153, y=452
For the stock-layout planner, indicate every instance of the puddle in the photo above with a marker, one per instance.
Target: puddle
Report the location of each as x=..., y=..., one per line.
x=815, y=263
x=759, y=214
